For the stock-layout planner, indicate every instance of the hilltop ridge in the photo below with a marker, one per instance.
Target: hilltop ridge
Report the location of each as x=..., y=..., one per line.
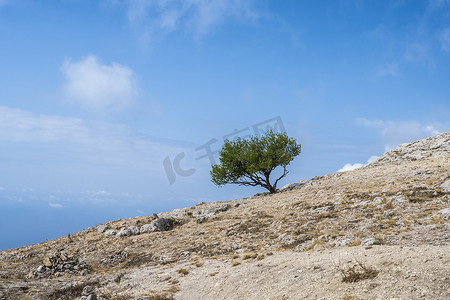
x=392, y=217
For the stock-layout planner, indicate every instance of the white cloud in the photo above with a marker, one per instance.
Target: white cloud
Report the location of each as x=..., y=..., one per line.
x=437, y=4
x=195, y=16
x=94, y=85
x=444, y=38
x=17, y=125
x=398, y=132
x=86, y=140
x=391, y=69
x=55, y=205
x=350, y=167
x=417, y=52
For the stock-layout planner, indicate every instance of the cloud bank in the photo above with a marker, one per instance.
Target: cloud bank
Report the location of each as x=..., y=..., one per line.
x=197, y=17
x=97, y=86
x=394, y=133
x=351, y=167
x=444, y=38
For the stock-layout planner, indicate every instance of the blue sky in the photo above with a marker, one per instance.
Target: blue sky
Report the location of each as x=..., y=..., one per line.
x=96, y=96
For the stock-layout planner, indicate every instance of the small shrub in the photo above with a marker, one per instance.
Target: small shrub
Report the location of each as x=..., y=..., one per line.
x=68, y=293
x=183, y=272
x=235, y=263
x=248, y=256
x=357, y=272
x=349, y=297
x=161, y=297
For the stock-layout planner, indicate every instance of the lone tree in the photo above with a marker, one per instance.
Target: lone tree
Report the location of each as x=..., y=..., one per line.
x=251, y=161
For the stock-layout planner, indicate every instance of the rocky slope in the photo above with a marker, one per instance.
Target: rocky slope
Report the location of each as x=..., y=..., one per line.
x=379, y=232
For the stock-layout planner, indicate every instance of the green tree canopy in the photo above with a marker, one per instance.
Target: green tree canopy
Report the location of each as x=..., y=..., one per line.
x=250, y=162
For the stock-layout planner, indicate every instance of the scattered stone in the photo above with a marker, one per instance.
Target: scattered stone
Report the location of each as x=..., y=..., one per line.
x=110, y=233
x=134, y=230
x=399, y=200
x=445, y=213
x=102, y=228
x=204, y=214
x=446, y=187
x=344, y=242
x=41, y=269
x=88, y=293
x=57, y=264
x=116, y=258
x=294, y=186
x=377, y=200
x=305, y=246
x=370, y=241
x=124, y=232
x=47, y=262
x=146, y=228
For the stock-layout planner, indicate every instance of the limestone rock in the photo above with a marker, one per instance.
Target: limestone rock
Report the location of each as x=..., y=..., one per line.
x=110, y=232
x=88, y=293
x=445, y=213
x=370, y=241
x=446, y=187
x=163, y=224
x=41, y=269
x=47, y=262
x=437, y=146
x=124, y=232
x=134, y=230
x=102, y=228
x=294, y=186
x=146, y=228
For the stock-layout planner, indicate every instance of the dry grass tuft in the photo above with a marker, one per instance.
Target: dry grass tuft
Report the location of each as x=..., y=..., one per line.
x=183, y=271
x=357, y=272
x=68, y=293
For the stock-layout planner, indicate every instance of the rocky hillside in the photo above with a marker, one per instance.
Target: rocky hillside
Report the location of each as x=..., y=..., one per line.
x=379, y=232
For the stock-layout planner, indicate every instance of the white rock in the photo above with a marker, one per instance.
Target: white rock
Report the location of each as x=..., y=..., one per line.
x=445, y=213
x=370, y=241
x=134, y=230
x=377, y=200
x=399, y=200
x=110, y=232
x=147, y=228
x=124, y=232
x=41, y=269
x=102, y=228
x=446, y=187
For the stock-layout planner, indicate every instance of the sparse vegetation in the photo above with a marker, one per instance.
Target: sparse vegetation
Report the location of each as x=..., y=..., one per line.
x=249, y=256
x=365, y=210
x=183, y=271
x=357, y=272
x=68, y=293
